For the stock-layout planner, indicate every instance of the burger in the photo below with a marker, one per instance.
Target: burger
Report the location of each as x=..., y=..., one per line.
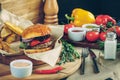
x=36, y=38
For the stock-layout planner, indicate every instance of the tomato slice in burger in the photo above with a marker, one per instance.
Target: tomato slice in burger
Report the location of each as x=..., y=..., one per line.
x=36, y=42
x=47, y=40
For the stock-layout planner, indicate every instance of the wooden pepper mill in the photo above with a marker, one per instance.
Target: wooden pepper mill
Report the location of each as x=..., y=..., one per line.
x=0, y=7
x=51, y=12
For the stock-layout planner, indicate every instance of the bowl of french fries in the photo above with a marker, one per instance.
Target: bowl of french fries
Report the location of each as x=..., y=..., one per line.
x=9, y=40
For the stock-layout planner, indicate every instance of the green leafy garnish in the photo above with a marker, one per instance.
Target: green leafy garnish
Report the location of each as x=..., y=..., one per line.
x=68, y=54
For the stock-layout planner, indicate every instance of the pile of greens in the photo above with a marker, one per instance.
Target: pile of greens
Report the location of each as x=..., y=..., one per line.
x=68, y=53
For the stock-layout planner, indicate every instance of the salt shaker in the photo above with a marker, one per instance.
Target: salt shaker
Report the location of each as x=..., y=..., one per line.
x=110, y=46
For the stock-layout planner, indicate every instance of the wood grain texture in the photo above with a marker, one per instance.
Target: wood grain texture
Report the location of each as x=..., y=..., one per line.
x=28, y=9
x=69, y=68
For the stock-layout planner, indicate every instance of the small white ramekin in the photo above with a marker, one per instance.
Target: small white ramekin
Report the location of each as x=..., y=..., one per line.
x=21, y=71
x=96, y=27
x=76, y=33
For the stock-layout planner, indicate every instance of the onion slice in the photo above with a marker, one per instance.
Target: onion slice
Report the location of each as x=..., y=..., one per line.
x=27, y=40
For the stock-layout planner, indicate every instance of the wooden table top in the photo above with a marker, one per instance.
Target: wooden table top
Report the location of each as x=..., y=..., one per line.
x=69, y=68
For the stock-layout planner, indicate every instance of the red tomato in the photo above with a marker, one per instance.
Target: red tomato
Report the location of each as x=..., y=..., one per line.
x=117, y=30
x=46, y=40
x=66, y=27
x=36, y=42
x=111, y=29
x=103, y=36
x=92, y=36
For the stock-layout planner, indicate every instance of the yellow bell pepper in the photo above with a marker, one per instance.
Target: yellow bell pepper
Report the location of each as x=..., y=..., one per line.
x=80, y=16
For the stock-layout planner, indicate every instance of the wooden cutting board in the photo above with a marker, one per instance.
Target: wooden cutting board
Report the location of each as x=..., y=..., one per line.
x=69, y=68
x=84, y=43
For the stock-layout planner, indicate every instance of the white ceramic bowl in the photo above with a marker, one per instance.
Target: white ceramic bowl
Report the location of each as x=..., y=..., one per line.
x=90, y=27
x=21, y=68
x=76, y=33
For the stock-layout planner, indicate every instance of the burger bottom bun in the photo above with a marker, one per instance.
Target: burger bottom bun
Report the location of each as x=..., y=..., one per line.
x=31, y=51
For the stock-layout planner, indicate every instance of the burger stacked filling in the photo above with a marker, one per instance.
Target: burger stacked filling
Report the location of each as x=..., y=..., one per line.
x=36, y=42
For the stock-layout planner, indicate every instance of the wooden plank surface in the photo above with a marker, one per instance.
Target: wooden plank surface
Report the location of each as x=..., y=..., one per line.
x=69, y=68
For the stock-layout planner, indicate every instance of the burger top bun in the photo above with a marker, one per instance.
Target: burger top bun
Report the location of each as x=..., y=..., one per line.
x=36, y=31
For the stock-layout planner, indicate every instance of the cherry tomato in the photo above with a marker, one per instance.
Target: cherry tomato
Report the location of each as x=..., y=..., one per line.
x=66, y=27
x=92, y=36
x=111, y=29
x=117, y=28
x=103, y=36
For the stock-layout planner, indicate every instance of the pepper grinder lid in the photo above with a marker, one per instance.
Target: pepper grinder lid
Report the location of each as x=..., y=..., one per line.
x=111, y=35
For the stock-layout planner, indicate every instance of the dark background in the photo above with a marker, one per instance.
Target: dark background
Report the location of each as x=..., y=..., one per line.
x=110, y=7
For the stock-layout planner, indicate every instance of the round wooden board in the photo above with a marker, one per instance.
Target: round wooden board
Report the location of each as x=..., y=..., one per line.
x=69, y=68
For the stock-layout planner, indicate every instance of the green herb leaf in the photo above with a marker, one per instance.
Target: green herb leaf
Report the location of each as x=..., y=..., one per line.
x=68, y=53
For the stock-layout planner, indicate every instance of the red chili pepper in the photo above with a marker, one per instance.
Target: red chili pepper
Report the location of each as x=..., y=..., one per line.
x=58, y=68
x=46, y=71
x=105, y=20
x=49, y=71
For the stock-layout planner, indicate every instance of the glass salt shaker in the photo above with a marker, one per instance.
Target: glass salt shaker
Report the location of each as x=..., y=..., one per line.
x=110, y=46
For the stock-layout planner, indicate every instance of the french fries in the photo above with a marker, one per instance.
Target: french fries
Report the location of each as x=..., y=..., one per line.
x=14, y=28
x=6, y=47
x=5, y=32
x=0, y=45
x=8, y=36
x=11, y=38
